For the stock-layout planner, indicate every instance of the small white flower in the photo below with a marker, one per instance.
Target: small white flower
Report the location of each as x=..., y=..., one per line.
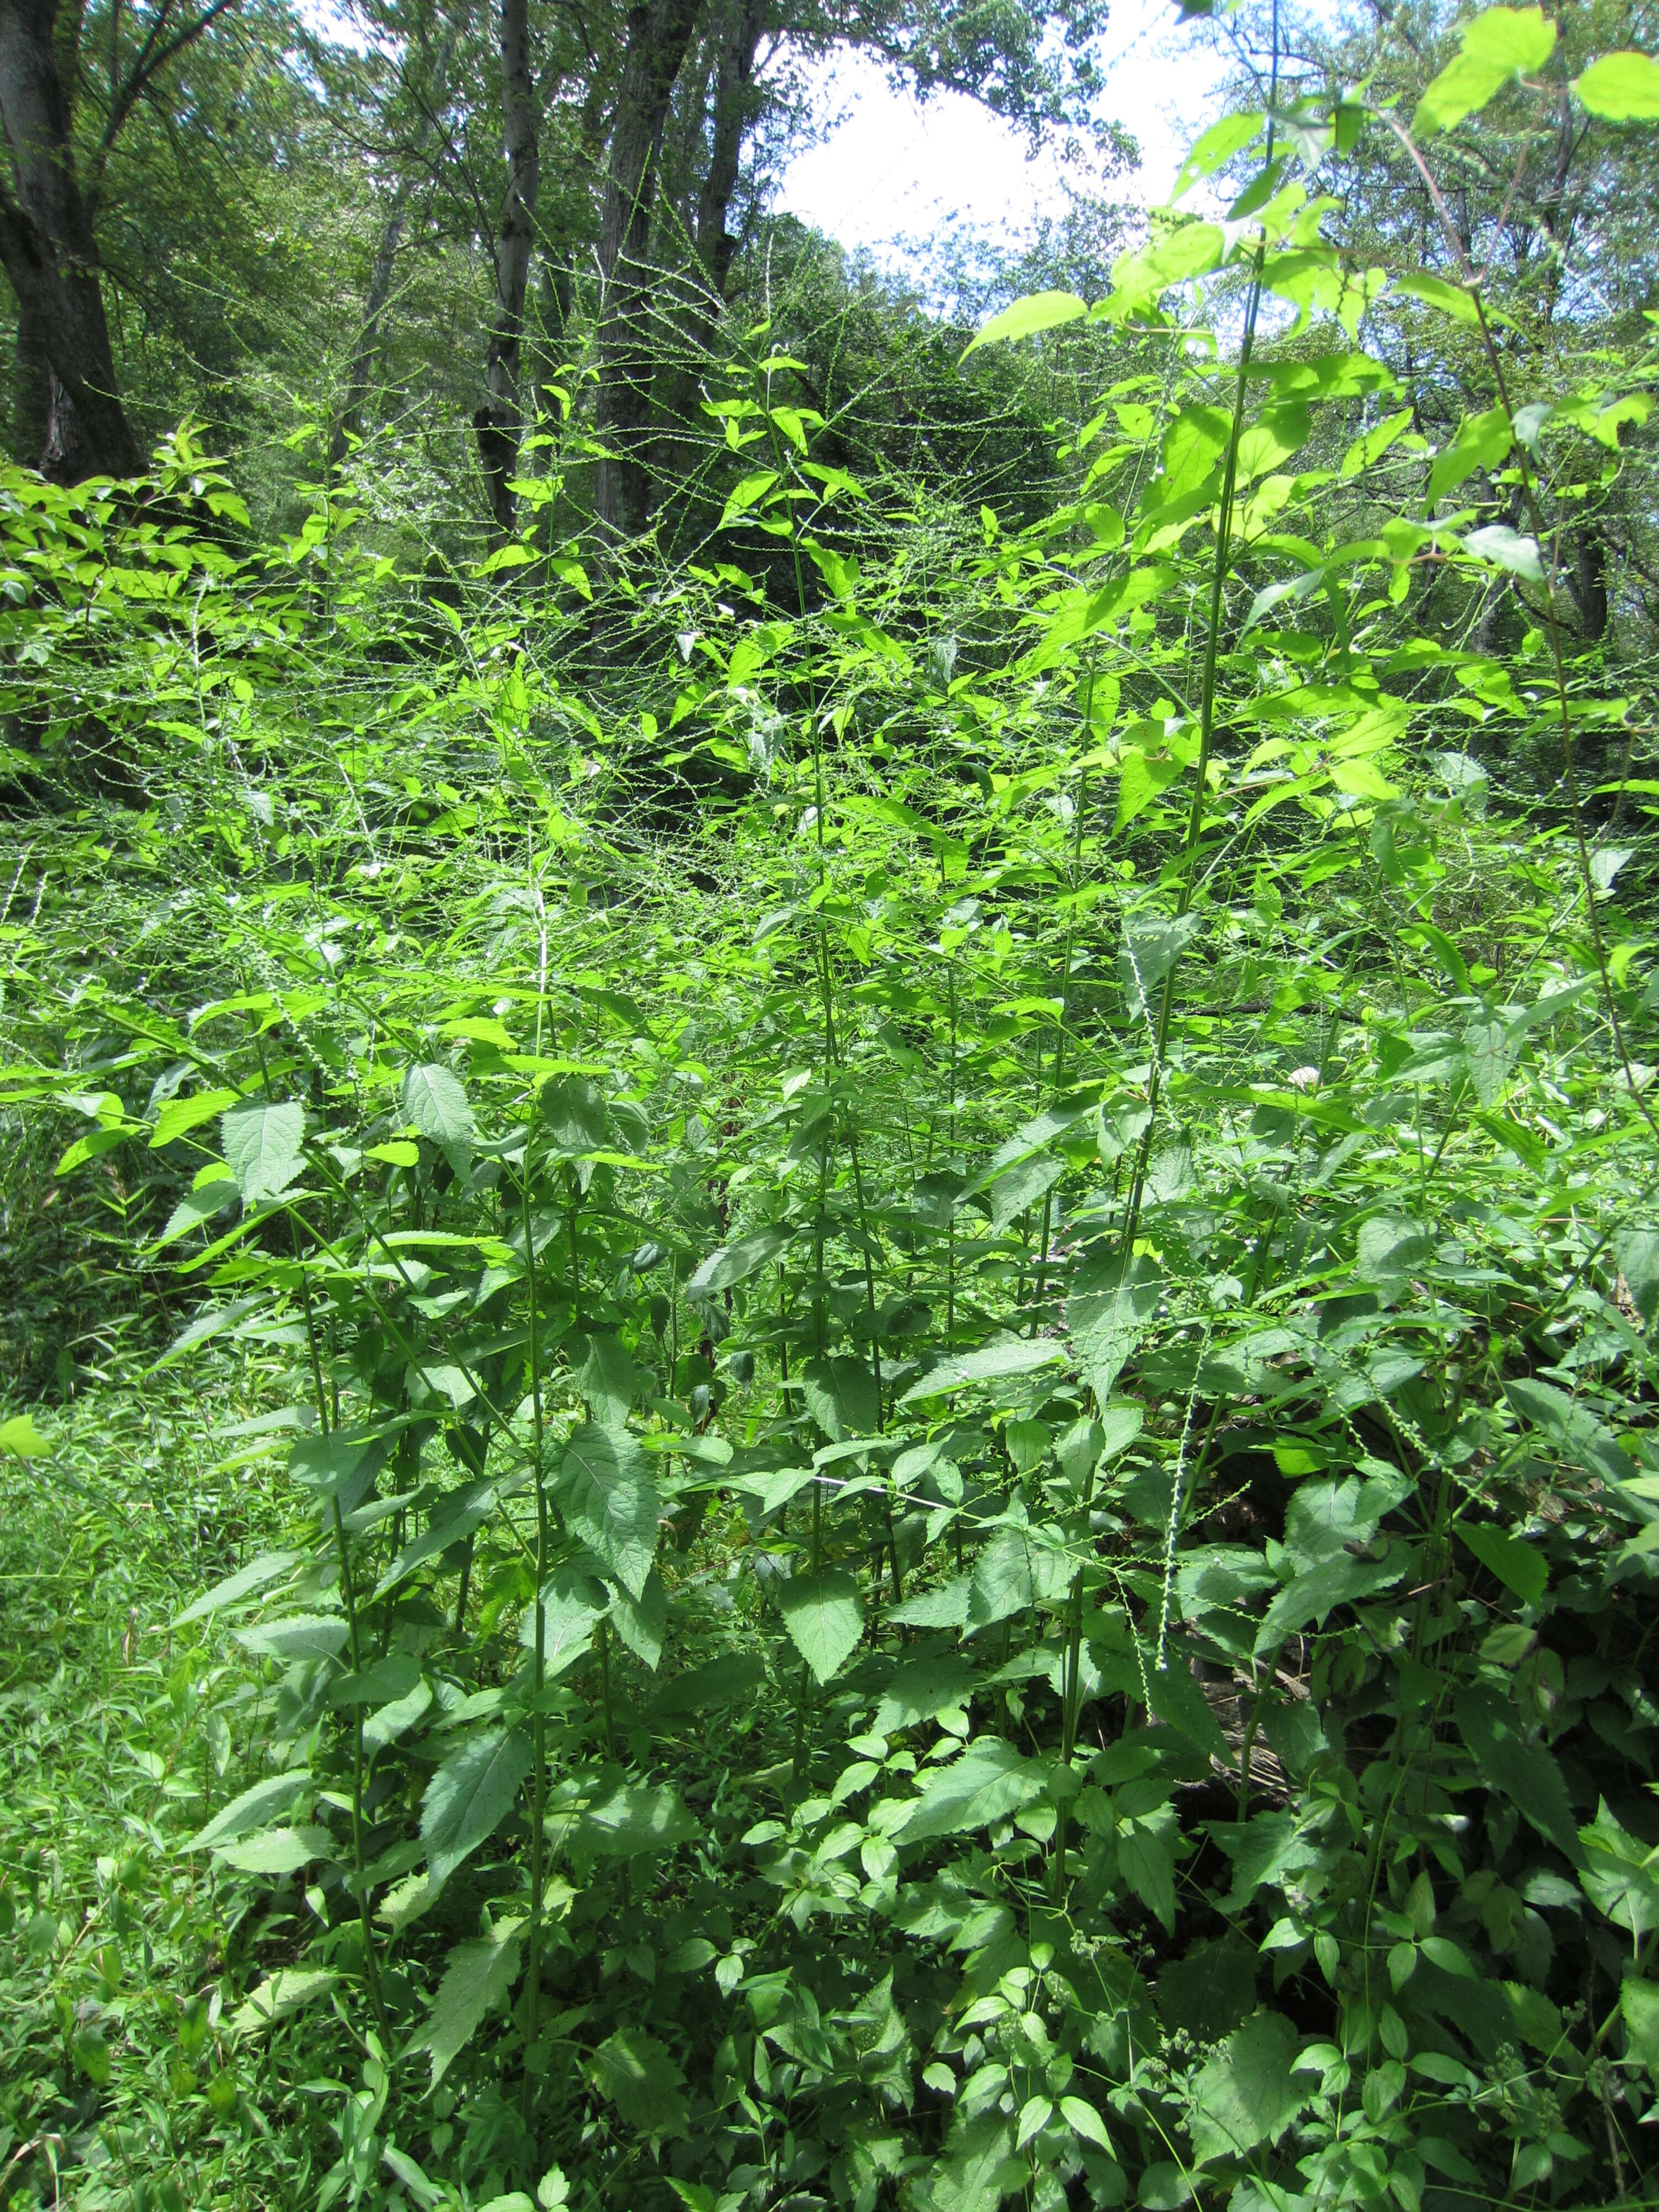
x=1304, y=1078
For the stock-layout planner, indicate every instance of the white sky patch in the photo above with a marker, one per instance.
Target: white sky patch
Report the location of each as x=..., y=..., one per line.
x=892, y=168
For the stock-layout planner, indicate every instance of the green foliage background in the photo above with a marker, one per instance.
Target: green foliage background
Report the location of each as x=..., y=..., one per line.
x=830, y=1351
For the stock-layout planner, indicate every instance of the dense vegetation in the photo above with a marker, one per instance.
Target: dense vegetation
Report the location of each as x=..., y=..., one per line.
x=828, y=1265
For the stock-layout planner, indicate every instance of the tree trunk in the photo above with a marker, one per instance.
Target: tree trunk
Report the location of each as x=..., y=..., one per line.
x=375, y=300
x=659, y=33
x=47, y=249
x=734, y=100
x=499, y=422
x=1592, y=585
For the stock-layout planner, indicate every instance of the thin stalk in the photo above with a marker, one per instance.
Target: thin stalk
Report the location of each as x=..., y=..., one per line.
x=1206, y=699
x=538, y=1673
x=951, y=1226
x=1057, y=1074
x=371, y=1964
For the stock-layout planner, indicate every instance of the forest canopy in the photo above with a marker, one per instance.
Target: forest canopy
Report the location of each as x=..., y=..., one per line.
x=827, y=1240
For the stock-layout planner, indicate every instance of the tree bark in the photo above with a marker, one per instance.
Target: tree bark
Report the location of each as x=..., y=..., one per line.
x=1592, y=584
x=499, y=422
x=375, y=300
x=660, y=31
x=48, y=252
x=733, y=101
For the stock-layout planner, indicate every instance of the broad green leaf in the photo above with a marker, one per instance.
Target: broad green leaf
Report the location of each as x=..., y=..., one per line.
x=284, y=1993
x=1151, y=947
x=642, y=1622
x=209, y=1324
x=263, y=1144
x=823, y=1616
x=641, y=2078
x=1217, y=146
x=988, y=1782
x=1191, y=249
x=745, y=494
x=840, y=1396
x=609, y=1379
x=196, y=1207
x=1621, y=88
x=1490, y=1053
x=255, y=1807
x=1002, y=1360
x=259, y=1574
x=302, y=1636
x=1177, y=1698
x=1498, y=44
x=1041, y=310
x=628, y=1819
x=1011, y=1574
x=451, y=1521
x=1525, y=1773
x=1516, y=1565
x=391, y=1677
x=1507, y=548
x=436, y=1104
x=477, y=1978
x=278, y=1850
x=609, y=1501
x=470, y=1795
x=1638, y=2001
x=20, y=1436
x=388, y=1723
x=181, y=1116
x=977, y=2168
x=734, y=1678
x=734, y=1263
x=573, y=1606
x=573, y=1114
x=1617, y=1877
x=1148, y=1865
x=1106, y=1310
x=1246, y=2093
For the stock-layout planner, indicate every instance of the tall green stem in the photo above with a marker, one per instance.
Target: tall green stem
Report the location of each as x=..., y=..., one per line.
x=1206, y=700
x=539, y=1671
x=371, y=1964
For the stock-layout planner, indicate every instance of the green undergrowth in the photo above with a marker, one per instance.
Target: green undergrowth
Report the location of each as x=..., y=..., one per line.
x=835, y=1368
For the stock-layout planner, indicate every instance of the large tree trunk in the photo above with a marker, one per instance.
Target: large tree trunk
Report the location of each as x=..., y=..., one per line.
x=659, y=33
x=47, y=249
x=733, y=105
x=376, y=300
x=499, y=422
x=1592, y=584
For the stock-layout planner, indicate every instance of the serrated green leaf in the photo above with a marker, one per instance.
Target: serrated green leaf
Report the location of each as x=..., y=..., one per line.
x=436, y=1104
x=824, y=1617
x=255, y=1807
x=840, y=1396
x=1246, y=2093
x=610, y=1503
x=284, y=1993
x=1498, y=44
x=641, y=2078
x=263, y=1144
x=477, y=1977
x=470, y=1795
